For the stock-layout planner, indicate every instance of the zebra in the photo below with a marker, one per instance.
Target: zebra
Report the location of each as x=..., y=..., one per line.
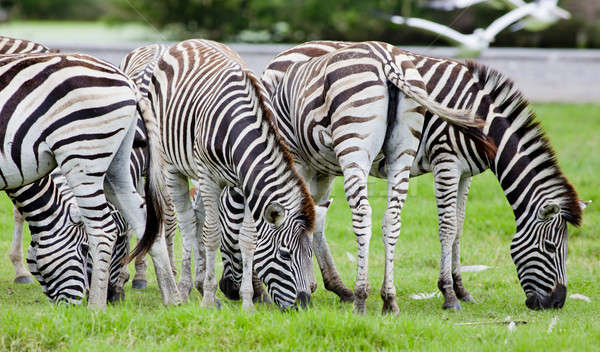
x=19, y=46
x=10, y=45
x=139, y=65
x=322, y=103
x=78, y=113
x=214, y=123
x=47, y=199
x=542, y=208
x=59, y=244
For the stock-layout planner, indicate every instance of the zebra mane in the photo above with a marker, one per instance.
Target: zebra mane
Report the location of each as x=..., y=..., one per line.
x=308, y=206
x=510, y=102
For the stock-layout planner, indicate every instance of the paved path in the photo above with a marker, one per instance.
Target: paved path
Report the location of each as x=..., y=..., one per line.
x=543, y=75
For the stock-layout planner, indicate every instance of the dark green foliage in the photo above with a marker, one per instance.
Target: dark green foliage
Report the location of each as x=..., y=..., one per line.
x=302, y=20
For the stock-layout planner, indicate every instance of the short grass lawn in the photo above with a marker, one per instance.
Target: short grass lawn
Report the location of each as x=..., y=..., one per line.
x=29, y=322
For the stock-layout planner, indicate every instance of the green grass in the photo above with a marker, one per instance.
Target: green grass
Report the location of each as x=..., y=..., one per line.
x=29, y=322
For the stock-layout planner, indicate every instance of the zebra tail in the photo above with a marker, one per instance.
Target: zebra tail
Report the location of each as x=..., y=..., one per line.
x=459, y=117
x=154, y=185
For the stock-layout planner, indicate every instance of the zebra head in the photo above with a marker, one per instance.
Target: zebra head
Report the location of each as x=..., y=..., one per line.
x=539, y=250
x=283, y=257
x=58, y=254
x=58, y=257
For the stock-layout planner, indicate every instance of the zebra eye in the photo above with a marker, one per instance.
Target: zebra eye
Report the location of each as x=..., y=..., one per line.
x=284, y=253
x=550, y=247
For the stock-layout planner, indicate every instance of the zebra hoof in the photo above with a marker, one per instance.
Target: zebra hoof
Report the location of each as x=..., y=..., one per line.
x=139, y=284
x=468, y=298
x=347, y=297
x=452, y=305
x=23, y=280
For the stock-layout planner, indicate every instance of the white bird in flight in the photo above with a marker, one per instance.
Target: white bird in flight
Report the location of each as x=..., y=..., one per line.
x=533, y=16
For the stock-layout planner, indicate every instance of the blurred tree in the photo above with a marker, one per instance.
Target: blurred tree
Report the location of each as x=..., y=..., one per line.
x=55, y=9
x=302, y=20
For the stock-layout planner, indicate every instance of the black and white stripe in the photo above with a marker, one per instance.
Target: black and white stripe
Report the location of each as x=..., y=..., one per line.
x=345, y=110
x=539, y=248
x=215, y=125
x=78, y=113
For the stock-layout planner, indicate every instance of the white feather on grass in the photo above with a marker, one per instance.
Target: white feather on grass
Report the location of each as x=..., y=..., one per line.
x=425, y=295
x=466, y=268
x=580, y=297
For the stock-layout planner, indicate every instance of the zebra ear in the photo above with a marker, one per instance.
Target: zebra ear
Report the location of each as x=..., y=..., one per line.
x=584, y=204
x=326, y=203
x=549, y=210
x=274, y=214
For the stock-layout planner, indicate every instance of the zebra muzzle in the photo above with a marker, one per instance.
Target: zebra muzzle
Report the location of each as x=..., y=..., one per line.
x=555, y=300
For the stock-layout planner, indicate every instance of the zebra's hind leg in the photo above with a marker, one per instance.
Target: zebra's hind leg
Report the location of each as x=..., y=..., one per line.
x=177, y=184
x=400, y=148
x=121, y=191
x=22, y=276
x=459, y=289
x=446, y=181
x=355, y=186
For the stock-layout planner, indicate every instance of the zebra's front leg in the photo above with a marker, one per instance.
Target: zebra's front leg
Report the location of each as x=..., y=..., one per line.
x=22, y=276
x=199, y=250
x=459, y=289
x=320, y=188
x=210, y=191
x=329, y=272
x=247, y=241
x=446, y=179
x=177, y=185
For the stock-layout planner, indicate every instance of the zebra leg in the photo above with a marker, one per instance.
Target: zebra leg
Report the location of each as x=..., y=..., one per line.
x=22, y=276
x=446, y=181
x=125, y=270
x=210, y=191
x=319, y=186
x=459, y=289
x=177, y=184
x=355, y=186
x=198, y=243
x=139, y=278
x=121, y=191
x=400, y=148
x=170, y=231
x=331, y=277
x=231, y=216
x=260, y=294
x=247, y=240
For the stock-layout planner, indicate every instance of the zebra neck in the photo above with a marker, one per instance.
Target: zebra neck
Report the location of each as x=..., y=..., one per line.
x=525, y=167
x=41, y=204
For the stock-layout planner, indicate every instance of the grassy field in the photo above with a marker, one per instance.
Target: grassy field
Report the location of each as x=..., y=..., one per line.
x=29, y=322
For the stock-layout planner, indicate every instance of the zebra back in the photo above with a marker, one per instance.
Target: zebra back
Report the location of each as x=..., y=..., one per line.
x=20, y=46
